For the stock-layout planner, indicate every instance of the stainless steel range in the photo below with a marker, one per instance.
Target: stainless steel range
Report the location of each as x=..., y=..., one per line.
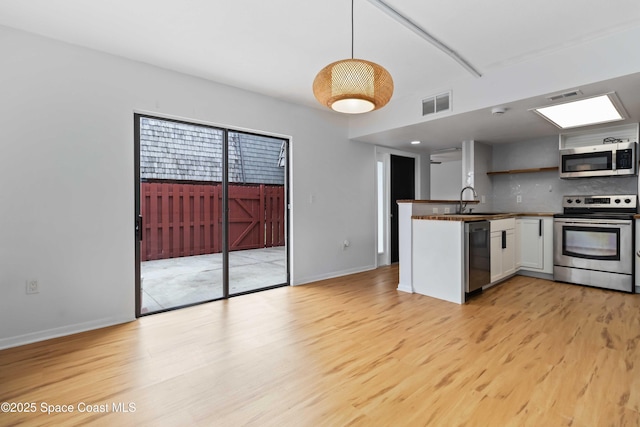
x=593, y=241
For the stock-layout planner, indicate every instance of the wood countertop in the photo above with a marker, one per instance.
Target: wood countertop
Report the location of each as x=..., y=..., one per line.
x=439, y=202
x=480, y=217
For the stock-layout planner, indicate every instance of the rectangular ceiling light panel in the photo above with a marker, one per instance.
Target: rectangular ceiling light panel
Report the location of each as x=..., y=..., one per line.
x=584, y=112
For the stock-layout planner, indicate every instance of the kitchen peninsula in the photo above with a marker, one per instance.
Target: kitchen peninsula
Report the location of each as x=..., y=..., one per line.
x=432, y=247
x=406, y=210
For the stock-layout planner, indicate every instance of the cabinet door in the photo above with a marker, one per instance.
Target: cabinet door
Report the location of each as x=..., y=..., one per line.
x=531, y=243
x=509, y=253
x=518, y=243
x=496, y=255
x=547, y=252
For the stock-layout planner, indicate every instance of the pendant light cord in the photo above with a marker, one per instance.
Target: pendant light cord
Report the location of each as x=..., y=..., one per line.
x=352, y=29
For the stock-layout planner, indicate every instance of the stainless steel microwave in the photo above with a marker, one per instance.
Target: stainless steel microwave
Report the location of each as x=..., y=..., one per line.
x=617, y=159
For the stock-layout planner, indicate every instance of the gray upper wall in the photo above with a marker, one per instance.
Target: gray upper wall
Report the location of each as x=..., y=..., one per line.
x=543, y=191
x=184, y=152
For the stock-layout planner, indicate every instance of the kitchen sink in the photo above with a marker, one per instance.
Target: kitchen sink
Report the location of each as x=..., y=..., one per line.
x=480, y=213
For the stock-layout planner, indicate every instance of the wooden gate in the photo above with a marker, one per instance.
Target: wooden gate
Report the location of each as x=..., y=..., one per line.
x=186, y=219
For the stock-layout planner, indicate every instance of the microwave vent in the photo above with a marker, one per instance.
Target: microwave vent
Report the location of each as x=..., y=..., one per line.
x=564, y=95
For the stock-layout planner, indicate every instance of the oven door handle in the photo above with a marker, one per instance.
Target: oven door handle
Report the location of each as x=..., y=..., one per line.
x=587, y=222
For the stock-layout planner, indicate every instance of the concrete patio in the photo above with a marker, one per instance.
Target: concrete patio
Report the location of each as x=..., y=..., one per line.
x=174, y=282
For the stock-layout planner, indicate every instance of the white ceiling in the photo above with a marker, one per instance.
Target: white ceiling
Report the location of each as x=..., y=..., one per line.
x=276, y=47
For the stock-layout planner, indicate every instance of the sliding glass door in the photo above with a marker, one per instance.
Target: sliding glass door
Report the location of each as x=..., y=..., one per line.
x=256, y=223
x=211, y=213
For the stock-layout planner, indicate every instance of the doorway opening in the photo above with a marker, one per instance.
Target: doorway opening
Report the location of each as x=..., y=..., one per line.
x=403, y=187
x=397, y=178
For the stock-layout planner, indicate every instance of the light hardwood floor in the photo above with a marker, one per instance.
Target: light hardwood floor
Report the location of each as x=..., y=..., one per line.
x=349, y=351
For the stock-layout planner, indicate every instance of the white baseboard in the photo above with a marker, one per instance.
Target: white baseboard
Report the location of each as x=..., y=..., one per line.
x=334, y=274
x=60, y=332
x=405, y=288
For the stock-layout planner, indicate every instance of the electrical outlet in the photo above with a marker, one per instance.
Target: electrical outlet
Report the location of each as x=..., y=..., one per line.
x=483, y=199
x=447, y=210
x=435, y=210
x=519, y=198
x=32, y=287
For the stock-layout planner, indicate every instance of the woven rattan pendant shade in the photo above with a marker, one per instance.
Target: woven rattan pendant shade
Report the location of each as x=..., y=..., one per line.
x=353, y=86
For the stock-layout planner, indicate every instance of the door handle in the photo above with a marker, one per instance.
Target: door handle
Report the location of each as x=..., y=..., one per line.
x=139, y=227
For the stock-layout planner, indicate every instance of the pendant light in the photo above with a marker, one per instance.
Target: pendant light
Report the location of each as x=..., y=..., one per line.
x=353, y=86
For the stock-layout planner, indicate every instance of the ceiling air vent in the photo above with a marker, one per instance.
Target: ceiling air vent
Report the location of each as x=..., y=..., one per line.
x=436, y=104
x=564, y=95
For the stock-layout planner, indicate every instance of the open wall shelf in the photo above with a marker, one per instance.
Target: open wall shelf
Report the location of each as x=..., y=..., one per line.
x=531, y=170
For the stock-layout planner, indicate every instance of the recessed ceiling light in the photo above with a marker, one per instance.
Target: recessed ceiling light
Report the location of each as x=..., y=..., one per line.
x=415, y=142
x=584, y=112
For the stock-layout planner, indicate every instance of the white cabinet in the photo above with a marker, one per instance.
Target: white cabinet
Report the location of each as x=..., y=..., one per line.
x=496, y=255
x=535, y=244
x=531, y=243
x=503, y=248
x=581, y=138
x=518, y=243
x=438, y=259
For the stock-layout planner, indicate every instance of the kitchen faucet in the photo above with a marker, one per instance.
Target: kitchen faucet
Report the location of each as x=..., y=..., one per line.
x=475, y=196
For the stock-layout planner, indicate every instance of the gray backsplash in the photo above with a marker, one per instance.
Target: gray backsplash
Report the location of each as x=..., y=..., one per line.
x=543, y=191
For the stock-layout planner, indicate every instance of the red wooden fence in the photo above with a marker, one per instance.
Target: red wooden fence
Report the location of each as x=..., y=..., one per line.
x=186, y=219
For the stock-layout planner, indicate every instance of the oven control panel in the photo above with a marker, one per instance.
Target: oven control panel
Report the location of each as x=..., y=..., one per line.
x=628, y=201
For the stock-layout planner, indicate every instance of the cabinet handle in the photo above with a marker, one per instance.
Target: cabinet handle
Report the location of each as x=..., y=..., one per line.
x=540, y=227
x=504, y=239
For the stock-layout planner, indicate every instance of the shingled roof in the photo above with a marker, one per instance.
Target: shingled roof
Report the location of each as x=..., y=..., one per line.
x=184, y=152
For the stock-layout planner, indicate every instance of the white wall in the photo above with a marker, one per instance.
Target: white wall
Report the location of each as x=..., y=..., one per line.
x=67, y=205
x=570, y=67
x=423, y=191
x=422, y=169
x=446, y=180
x=483, y=185
x=476, y=162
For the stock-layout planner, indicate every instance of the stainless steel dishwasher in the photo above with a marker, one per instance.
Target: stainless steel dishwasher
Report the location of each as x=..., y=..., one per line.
x=477, y=260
